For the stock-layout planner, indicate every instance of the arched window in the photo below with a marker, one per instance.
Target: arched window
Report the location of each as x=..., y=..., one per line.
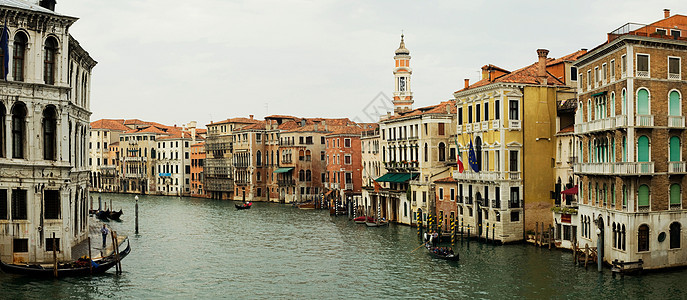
x=624, y=235
x=674, y=104
x=18, y=129
x=674, y=149
x=643, y=238
x=612, y=107
x=308, y=156
x=624, y=149
x=589, y=110
x=675, y=229
x=20, y=42
x=258, y=158
x=615, y=236
x=405, y=209
x=643, y=196
x=623, y=102
x=675, y=195
x=442, y=152
x=643, y=149
x=301, y=155
x=50, y=60
x=643, y=102
x=301, y=175
x=308, y=175
x=49, y=133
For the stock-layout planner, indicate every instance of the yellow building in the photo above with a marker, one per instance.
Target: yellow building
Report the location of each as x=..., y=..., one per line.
x=510, y=119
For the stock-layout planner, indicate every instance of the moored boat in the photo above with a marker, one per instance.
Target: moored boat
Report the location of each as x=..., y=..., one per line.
x=374, y=223
x=114, y=215
x=77, y=268
x=103, y=214
x=246, y=205
x=306, y=205
x=363, y=219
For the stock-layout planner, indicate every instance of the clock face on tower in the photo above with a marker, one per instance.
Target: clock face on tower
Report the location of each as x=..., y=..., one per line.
x=402, y=84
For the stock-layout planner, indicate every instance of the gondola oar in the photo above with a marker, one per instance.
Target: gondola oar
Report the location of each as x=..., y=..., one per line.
x=418, y=247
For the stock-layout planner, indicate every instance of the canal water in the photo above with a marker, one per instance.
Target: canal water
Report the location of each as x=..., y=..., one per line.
x=196, y=248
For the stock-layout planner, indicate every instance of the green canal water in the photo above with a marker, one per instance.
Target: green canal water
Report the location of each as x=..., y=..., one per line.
x=206, y=249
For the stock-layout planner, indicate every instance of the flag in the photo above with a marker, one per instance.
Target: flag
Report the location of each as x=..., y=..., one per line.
x=459, y=160
x=377, y=186
x=472, y=160
x=4, y=45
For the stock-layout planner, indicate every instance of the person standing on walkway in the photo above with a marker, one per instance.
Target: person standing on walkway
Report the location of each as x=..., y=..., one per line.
x=104, y=231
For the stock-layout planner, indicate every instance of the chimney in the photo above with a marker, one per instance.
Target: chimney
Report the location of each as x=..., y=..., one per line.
x=303, y=123
x=541, y=65
x=49, y=4
x=448, y=108
x=666, y=13
x=315, y=126
x=251, y=117
x=467, y=82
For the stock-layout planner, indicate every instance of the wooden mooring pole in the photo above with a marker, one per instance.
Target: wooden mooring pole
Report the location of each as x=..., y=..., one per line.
x=54, y=255
x=90, y=258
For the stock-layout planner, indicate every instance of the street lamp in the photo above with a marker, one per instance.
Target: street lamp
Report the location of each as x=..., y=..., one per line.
x=136, y=197
x=599, y=249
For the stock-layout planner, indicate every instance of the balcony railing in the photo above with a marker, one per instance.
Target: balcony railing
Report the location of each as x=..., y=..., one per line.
x=617, y=168
x=496, y=124
x=459, y=129
x=642, y=73
x=675, y=206
x=514, y=124
x=485, y=125
x=515, y=204
x=676, y=121
x=645, y=121
x=496, y=203
x=676, y=167
x=285, y=182
x=349, y=186
x=514, y=175
x=478, y=176
x=468, y=200
x=620, y=121
x=459, y=199
x=468, y=127
x=674, y=76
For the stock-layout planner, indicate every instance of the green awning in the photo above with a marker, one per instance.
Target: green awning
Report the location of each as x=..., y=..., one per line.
x=282, y=170
x=599, y=94
x=396, y=177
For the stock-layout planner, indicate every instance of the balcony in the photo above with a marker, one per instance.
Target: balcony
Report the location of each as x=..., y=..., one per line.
x=620, y=121
x=644, y=74
x=459, y=199
x=674, y=76
x=468, y=127
x=468, y=200
x=496, y=124
x=476, y=127
x=288, y=182
x=349, y=186
x=676, y=121
x=459, y=129
x=515, y=204
x=514, y=124
x=645, y=121
x=485, y=125
x=621, y=169
x=675, y=206
x=514, y=175
x=496, y=203
x=478, y=176
x=676, y=167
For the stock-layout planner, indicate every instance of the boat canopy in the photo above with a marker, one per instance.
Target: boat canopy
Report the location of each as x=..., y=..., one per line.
x=282, y=170
x=396, y=177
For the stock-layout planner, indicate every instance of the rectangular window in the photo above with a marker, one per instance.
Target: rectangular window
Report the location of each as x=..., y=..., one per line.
x=623, y=65
x=48, y=244
x=469, y=114
x=597, y=78
x=513, y=161
x=497, y=109
x=513, y=113
x=673, y=68
x=453, y=194
x=478, y=113
x=573, y=74
x=515, y=196
x=589, y=79
x=19, y=208
x=322, y=140
x=347, y=143
x=441, y=128
x=347, y=159
x=642, y=65
x=3, y=204
x=441, y=194
x=612, y=69
x=51, y=200
x=424, y=196
x=604, y=72
x=460, y=116
x=486, y=111
x=20, y=245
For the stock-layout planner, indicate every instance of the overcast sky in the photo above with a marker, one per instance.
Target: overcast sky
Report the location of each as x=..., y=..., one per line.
x=174, y=61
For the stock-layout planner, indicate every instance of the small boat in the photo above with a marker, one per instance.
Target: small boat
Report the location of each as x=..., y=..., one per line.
x=307, y=205
x=245, y=205
x=437, y=253
x=103, y=214
x=77, y=268
x=373, y=223
x=114, y=215
x=363, y=220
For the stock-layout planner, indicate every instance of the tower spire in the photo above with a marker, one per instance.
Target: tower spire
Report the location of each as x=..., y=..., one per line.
x=403, y=97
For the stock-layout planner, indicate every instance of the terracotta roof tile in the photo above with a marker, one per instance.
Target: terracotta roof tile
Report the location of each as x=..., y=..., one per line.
x=432, y=109
x=111, y=124
x=570, y=128
x=446, y=180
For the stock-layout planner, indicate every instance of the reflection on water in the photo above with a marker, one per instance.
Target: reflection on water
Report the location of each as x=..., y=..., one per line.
x=207, y=249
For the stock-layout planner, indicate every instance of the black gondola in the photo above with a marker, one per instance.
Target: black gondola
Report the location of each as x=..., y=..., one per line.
x=436, y=253
x=65, y=270
x=244, y=205
x=103, y=214
x=114, y=215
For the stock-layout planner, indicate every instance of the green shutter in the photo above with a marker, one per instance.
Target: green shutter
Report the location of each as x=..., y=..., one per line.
x=643, y=149
x=643, y=195
x=674, y=193
x=643, y=102
x=674, y=148
x=674, y=108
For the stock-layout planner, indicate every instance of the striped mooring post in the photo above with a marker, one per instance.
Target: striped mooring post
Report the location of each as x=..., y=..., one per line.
x=419, y=225
x=453, y=231
x=439, y=223
x=487, y=238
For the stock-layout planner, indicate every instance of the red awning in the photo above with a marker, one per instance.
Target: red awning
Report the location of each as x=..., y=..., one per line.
x=570, y=191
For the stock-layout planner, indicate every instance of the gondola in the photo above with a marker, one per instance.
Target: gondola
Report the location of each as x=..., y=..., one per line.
x=435, y=254
x=306, y=205
x=246, y=205
x=373, y=223
x=114, y=215
x=103, y=214
x=363, y=220
x=66, y=270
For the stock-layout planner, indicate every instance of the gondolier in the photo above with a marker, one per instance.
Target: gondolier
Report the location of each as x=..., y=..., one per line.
x=104, y=231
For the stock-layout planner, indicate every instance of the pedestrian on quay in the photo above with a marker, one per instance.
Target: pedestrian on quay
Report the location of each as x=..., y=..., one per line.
x=104, y=231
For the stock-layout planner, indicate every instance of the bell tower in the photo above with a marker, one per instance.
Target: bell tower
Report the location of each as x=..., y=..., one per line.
x=403, y=97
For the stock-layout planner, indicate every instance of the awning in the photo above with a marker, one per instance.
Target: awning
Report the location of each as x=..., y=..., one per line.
x=570, y=191
x=282, y=170
x=396, y=177
x=599, y=94
x=329, y=192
